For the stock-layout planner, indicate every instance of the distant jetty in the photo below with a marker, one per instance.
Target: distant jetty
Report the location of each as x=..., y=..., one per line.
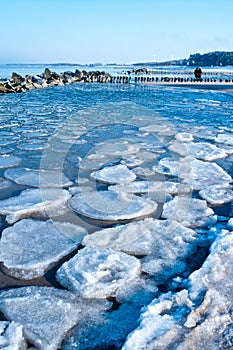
x=19, y=84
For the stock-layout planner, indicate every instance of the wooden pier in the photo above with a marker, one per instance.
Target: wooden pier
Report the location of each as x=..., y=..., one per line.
x=210, y=83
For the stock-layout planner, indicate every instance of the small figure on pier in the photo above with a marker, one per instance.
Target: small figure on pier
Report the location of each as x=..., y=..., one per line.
x=198, y=73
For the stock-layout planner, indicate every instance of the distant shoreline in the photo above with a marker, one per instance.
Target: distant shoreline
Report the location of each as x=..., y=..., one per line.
x=19, y=84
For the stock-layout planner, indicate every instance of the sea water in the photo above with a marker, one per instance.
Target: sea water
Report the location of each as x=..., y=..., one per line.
x=97, y=113
x=113, y=69
x=70, y=135
x=33, y=69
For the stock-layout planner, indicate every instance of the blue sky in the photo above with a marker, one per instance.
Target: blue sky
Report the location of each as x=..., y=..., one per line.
x=123, y=31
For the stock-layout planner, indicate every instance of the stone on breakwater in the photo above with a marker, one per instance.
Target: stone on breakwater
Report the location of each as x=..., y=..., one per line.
x=6, y=87
x=18, y=84
x=47, y=73
x=3, y=88
x=17, y=78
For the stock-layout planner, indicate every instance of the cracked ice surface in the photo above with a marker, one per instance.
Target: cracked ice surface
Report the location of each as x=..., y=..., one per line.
x=31, y=247
x=114, y=175
x=36, y=178
x=217, y=196
x=200, y=150
x=191, y=212
x=164, y=244
x=8, y=161
x=210, y=179
x=160, y=129
x=29, y=203
x=196, y=173
x=198, y=318
x=167, y=166
x=47, y=314
x=189, y=319
x=172, y=245
x=199, y=174
x=111, y=206
x=163, y=187
x=4, y=184
x=117, y=148
x=143, y=172
x=139, y=238
x=98, y=272
x=224, y=139
x=184, y=137
x=135, y=238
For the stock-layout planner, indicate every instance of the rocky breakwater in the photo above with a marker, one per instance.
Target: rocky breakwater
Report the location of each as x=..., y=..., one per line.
x=19, y=84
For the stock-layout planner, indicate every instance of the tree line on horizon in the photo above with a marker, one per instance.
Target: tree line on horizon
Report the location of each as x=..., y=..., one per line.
x=216, y=58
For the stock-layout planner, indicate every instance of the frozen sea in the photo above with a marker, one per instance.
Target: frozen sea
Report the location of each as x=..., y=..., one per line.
x=111, y=196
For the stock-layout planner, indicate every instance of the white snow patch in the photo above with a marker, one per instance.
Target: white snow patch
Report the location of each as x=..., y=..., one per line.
x=134, y=238
x=98, y=272
x=201, y=175
x=132, y=162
